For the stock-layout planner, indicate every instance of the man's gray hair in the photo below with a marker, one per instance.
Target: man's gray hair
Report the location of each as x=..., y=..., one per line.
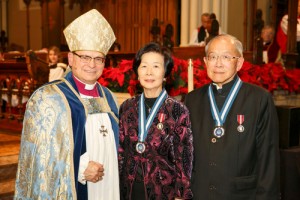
x=205, y=14
x=238, y=45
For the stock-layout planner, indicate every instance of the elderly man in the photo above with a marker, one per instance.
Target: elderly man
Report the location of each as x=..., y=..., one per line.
x=199, y=35
x=271, y=49
x=70, y=130
x=235, y=130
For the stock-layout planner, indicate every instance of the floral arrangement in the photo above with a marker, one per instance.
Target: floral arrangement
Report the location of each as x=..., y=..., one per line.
x=269, y=76
x=121, y=78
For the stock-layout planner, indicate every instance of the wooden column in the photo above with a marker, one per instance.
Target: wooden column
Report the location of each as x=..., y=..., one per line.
x=291, y=56
x=184, y=33
x=245, y=25
x=292, y=26
x=205, y=6
x=216, y=7
x=253, y=6
x=42, y=23
x=27, y=3
x=46, y=25
x=62, y=21
x=4, y=15
x=274, y=14
x=45, y=22
x=224, y=15
x=249, y=16
x=193, y=17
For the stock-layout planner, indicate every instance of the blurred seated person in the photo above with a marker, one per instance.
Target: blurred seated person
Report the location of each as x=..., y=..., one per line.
x=199, y=35
x=57, y=68
x=213, y=30
x=271, y=49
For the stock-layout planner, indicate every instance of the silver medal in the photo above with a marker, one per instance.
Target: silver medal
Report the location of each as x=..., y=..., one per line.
x=240, y=128
x=219, y=131
x=140, y=147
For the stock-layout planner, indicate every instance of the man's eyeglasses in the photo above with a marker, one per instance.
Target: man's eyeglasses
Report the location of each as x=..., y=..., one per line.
x=224, y=58
x=87, y=59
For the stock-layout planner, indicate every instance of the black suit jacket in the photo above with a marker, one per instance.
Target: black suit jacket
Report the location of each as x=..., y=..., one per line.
x=238, y=165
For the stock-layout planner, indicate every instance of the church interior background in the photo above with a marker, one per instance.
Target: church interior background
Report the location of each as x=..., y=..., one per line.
x=37, y=24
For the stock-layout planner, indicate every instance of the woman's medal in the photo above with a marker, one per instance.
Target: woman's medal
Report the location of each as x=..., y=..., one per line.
x=140, y=147
x=161, y=118
x=144, y=124
x=160, y=126
x=220, y=117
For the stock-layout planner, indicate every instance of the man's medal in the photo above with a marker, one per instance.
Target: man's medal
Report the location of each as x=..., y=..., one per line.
x=144, y=124
x=220, y=117
x=240, y=120
x=219, y=131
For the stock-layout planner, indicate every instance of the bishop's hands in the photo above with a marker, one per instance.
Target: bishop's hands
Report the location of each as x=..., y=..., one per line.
x=94, y=172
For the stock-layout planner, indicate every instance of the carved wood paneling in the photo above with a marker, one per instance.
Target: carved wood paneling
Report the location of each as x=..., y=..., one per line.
x=131, y=20
x=16, y=87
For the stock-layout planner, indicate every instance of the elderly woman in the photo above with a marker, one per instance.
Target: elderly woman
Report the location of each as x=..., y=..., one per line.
x=156, y=144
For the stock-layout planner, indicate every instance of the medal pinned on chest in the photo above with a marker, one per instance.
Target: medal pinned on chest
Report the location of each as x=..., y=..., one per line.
x=240, y=120
x=219, y=131
x=161, y=118
x=220, y=117
x=144, y=124
x=140, y=147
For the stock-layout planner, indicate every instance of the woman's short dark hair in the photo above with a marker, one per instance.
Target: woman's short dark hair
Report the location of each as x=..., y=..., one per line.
x=156, y=48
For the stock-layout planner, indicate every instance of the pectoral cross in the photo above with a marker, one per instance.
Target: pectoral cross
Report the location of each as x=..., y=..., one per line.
x=103, y=130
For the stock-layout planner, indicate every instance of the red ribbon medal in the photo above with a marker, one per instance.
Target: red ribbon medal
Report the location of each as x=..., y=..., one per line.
x=161, y=118
x=240, y=120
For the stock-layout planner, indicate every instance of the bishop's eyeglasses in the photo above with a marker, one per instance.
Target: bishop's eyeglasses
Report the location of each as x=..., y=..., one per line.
x=224, y=58
x=87, y=59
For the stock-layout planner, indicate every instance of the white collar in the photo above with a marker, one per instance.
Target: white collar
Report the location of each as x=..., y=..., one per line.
x=87, y=86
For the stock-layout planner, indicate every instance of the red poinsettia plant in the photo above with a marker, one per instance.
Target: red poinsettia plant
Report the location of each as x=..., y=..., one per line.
x=121, y=78
x=269, y=76
x=177, y=83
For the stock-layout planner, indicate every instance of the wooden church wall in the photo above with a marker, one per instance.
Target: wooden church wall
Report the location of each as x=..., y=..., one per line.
x=131, y=20
x=17, y=24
